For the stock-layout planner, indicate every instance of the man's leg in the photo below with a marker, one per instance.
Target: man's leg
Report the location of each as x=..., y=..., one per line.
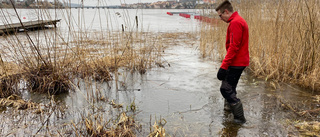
x=228, y=87
x=228, y=91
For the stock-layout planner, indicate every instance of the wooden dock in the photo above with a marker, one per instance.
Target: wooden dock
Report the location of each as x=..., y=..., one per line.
x=26, y=26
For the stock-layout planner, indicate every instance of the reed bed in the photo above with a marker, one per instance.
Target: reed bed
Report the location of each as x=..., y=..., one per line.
x=284, y=45
x=49, y=62
x=284, y=40
x=50, y=66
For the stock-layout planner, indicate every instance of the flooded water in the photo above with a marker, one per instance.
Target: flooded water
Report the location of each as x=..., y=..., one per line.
x=185, y=93
x=154, y=20
x=187, y=96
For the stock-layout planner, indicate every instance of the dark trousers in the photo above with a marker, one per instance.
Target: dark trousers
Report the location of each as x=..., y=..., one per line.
x=229, y=85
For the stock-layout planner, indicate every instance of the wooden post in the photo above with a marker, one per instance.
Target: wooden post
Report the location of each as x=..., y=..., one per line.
x=137, y=21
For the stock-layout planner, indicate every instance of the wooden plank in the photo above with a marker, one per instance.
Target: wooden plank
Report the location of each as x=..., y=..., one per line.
x=14, y=27
x=183, y=12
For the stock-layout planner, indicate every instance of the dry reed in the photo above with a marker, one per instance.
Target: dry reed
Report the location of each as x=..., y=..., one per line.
x=284, y=40
x=16, y=102
x=49, y=66
x=46, y=79
x=158, y=129
x=308, y=128
x=96, y=125
x=50, y=60
x=9, y=85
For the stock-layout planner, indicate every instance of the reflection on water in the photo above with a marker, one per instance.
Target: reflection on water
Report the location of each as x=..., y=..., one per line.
x=230, y=129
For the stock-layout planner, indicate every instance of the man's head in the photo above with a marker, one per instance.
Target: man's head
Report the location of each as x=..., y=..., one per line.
x=225, y=10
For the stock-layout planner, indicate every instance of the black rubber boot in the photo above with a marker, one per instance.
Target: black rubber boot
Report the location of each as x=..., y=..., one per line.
x=227, y=106
x=237, y=111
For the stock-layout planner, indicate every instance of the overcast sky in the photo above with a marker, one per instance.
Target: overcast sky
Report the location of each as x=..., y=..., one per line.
x=108, y=2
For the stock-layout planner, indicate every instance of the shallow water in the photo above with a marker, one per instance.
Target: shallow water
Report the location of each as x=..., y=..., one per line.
x=187, y=96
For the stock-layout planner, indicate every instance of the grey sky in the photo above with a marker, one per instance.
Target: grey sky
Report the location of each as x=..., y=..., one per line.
x=108, y=2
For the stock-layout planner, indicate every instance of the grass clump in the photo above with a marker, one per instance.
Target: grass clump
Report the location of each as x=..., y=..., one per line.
x=97, y=70
x=158, y=128
x=17, y=102
x=47, y=79
x=98, y=125
x=309, y=129
x=9, y=85
x=9, y=79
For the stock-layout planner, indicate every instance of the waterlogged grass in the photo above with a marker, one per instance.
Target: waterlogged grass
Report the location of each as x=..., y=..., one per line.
x=49, y=62
x=308, y=128
x=97, y=125
x=55, y=69
x=158, y=128
x=17, y=102
x=9, y=85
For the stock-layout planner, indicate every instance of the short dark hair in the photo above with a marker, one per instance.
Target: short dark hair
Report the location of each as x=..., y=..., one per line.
x=225, y=5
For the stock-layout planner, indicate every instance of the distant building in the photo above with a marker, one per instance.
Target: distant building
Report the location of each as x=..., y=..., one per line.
x=209, y=1
x=159, y=5
x=124, y=5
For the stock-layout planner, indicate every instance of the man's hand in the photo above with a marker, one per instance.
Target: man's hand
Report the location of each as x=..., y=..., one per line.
x=222, y=73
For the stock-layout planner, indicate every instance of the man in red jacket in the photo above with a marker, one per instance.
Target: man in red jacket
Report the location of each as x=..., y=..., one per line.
x=235, y=61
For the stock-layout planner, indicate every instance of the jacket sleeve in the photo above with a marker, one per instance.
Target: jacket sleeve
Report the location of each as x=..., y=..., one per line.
x=235, y=31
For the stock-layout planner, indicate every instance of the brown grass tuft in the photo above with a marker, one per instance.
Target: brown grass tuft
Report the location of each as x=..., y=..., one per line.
x=16, y=102
x=158, y=129
x=96, y=125
x=9, y=85
x=311, y=129
x=47, y=79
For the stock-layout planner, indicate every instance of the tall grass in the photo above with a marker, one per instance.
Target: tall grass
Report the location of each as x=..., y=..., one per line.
x=284, y=40
x=51, y=61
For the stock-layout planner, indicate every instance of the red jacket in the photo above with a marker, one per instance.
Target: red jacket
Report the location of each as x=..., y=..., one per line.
x=237, y=42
